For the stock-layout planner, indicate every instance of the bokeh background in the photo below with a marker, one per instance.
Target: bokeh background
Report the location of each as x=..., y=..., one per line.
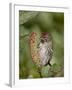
x=52, y=22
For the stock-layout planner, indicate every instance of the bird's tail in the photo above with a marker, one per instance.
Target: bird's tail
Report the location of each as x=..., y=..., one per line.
x=49, y=64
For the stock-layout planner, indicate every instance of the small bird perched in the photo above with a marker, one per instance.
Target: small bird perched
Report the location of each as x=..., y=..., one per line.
x=45, y=48
x=41, y=48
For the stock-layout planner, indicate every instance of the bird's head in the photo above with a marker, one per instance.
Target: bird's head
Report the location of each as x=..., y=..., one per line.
x=45, y=37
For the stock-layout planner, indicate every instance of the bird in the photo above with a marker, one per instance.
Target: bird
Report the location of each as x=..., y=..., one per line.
x=41, y=47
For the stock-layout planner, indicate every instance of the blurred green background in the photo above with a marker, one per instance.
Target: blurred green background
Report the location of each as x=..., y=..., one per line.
x=52, y=22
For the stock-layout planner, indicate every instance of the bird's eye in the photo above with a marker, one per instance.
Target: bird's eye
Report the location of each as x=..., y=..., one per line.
x=42, y=41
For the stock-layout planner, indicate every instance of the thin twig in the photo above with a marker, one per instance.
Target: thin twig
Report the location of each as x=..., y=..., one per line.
x=39, y=71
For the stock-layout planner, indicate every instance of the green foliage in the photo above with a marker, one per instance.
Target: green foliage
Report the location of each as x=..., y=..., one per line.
x=55, y=70
x=52, y=22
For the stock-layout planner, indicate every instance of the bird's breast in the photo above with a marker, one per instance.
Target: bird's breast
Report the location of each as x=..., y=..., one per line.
x=43, y=52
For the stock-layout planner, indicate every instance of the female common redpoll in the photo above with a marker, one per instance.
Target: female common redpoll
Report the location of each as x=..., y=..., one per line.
x=41, y=48
x=45, y=48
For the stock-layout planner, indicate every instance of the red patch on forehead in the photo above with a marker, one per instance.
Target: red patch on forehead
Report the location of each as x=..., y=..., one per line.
x=44, y=34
